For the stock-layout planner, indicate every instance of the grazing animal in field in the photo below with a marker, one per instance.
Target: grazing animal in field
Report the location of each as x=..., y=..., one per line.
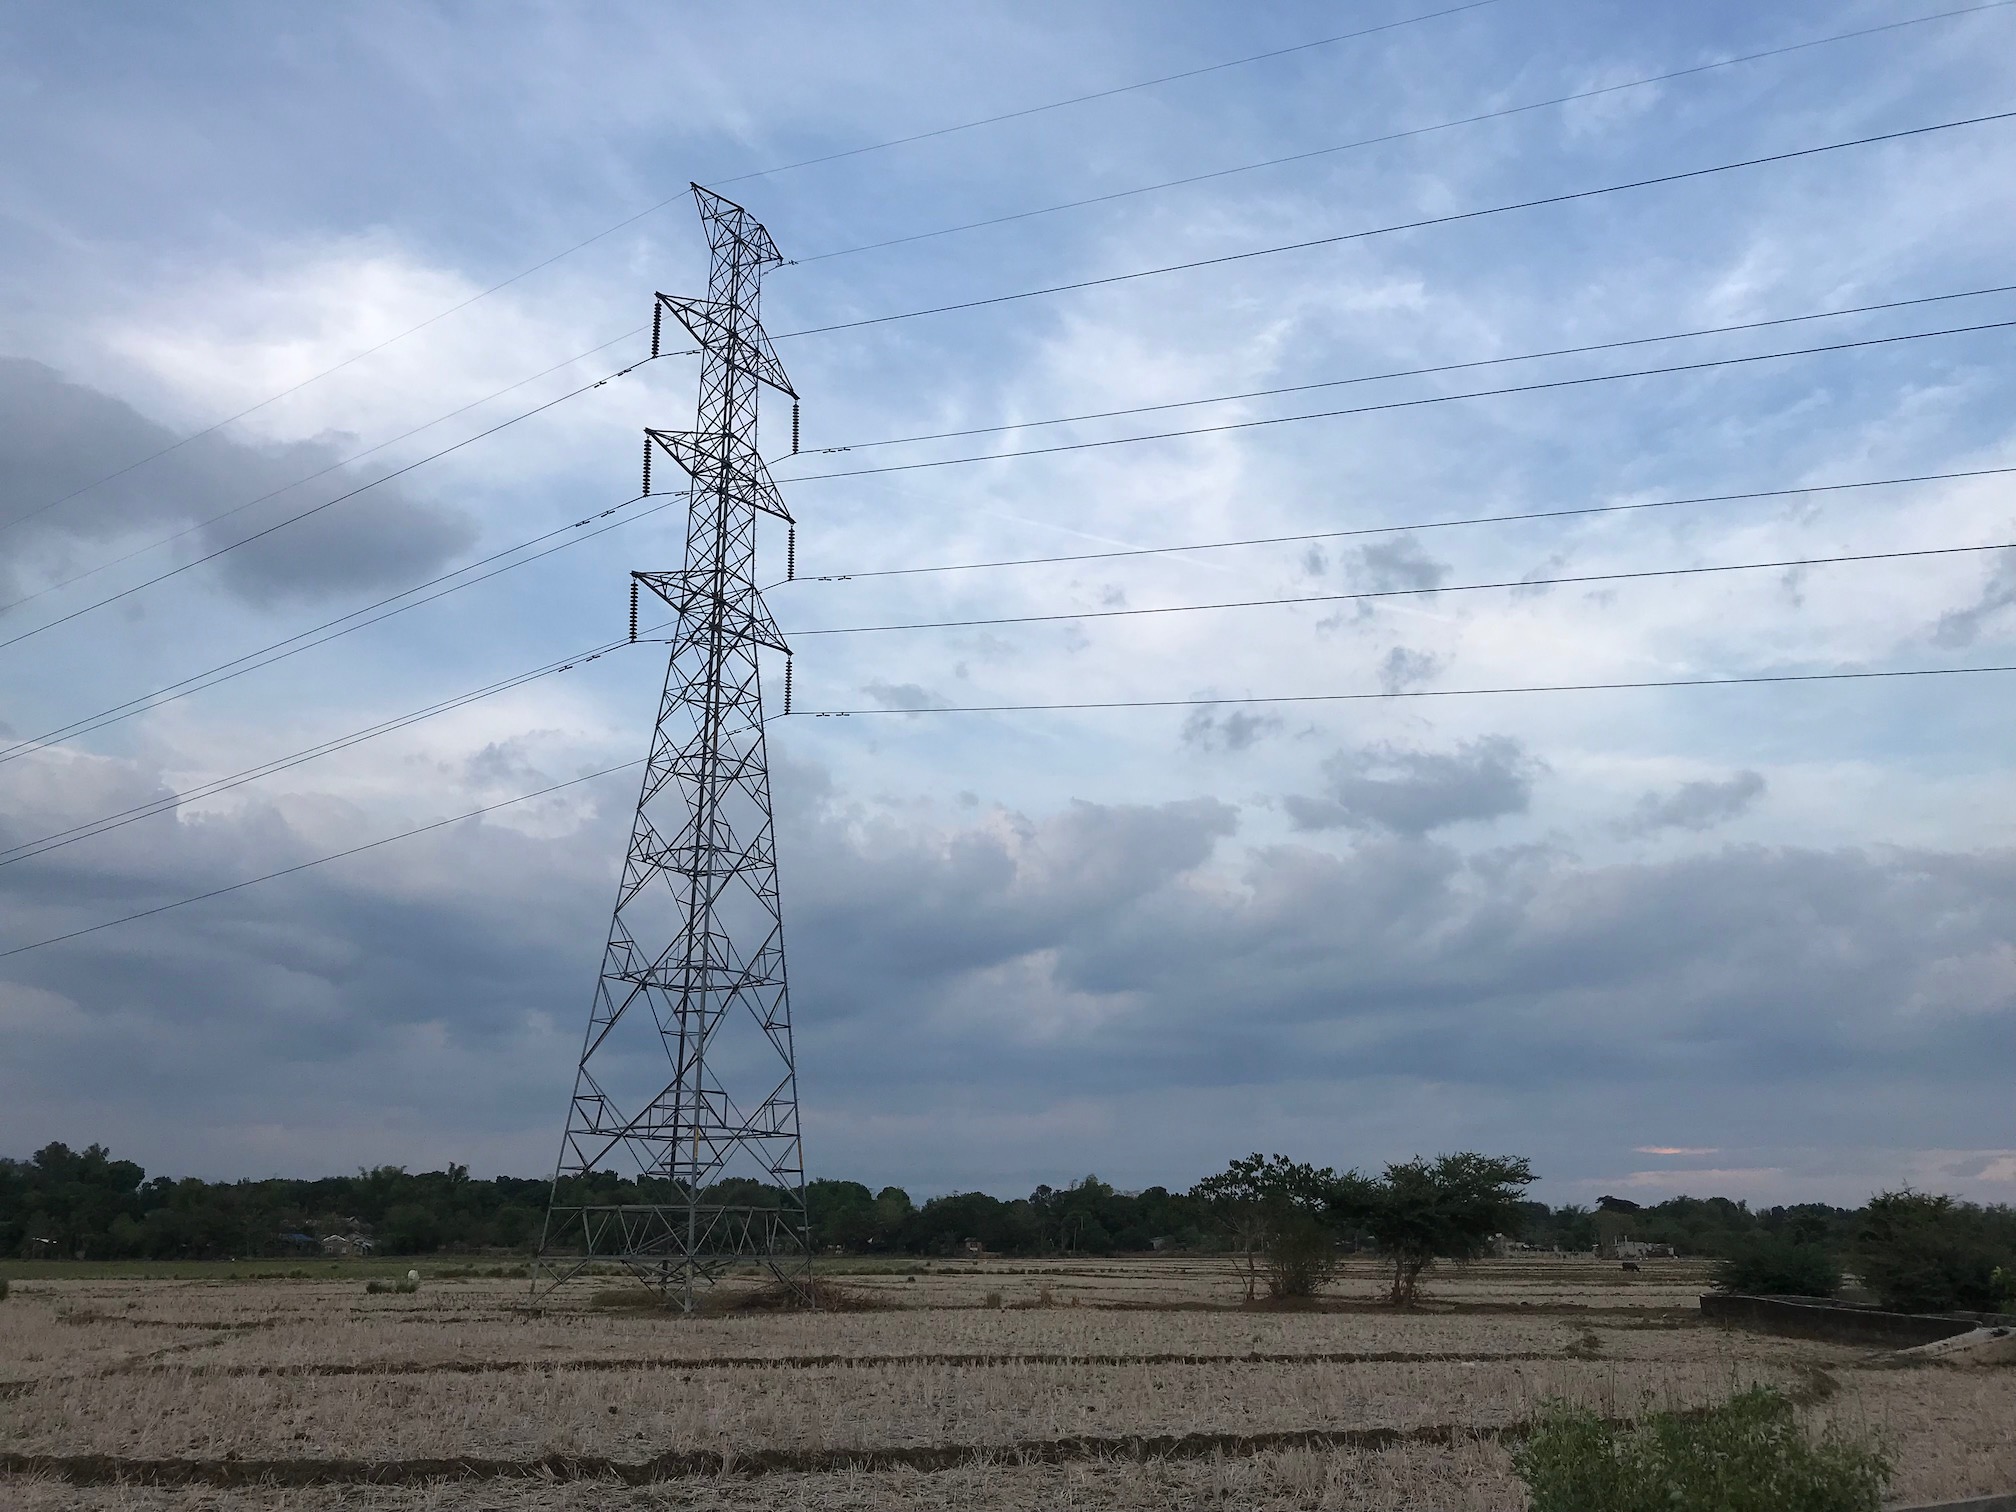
x=1631, y=1265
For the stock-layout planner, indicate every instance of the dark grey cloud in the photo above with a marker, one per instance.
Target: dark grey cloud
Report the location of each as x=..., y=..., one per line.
x=1399, y=563
x=57, y=436
x=1416, y=792
x=1696, y=805
x=1402, y=668
x=1962, y=627
x=425, y=1003
x=904, y=695
x=1204, y=730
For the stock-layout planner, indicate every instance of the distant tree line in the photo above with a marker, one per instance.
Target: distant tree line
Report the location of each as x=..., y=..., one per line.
x=1286, y=1222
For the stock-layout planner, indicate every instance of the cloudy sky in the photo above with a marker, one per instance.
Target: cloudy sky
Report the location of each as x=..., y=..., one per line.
x=1755, y=940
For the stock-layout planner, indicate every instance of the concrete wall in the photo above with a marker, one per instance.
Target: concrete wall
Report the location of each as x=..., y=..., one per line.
x=1815, y=1318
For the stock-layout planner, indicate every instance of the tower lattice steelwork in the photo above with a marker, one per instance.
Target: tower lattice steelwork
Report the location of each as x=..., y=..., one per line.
x=693, y=976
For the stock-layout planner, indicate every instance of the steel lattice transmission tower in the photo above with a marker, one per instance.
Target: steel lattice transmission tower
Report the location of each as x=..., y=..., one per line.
x=687, y=1073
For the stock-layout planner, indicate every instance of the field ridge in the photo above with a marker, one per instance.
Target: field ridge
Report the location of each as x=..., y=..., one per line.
x=112, y=1469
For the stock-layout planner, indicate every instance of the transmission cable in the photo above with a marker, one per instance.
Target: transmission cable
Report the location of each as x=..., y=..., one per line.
x=1306, y=698
x=137, y=705
x=650, y=210
x=28, y=849
x=355, y=850
x=1420, y=372
x=592, y=653
x=294, y=645
x=280, y=651
x=1067, y=419
x=1119, y=440
x=1141, y=703
x=293, y=519
x=1123, y=277
x=338, y=465
x=1539, y=386
x=1366, y=530
x=1413, y=592
x=1401, y=136
x=1413, y=225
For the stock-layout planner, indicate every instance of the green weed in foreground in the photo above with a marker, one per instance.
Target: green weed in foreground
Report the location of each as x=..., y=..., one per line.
x=1748, y=1455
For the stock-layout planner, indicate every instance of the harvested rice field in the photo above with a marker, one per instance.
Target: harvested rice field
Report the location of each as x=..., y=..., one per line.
x=1032, y=1386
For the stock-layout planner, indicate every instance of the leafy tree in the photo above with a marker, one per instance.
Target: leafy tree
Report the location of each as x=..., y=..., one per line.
x=1777, y=1265
x=1921, y=1253
x=409, y=1229
x=840, y=1213
x=1421, y=1211
x=1278, y=1213
x=1574, y=1227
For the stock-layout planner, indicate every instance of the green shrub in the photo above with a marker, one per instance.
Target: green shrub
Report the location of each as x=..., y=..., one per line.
x=3, y=1288
x=1920, y=1253
x=1301, y=1257
x=1771, y=1265
x=1748, y=1455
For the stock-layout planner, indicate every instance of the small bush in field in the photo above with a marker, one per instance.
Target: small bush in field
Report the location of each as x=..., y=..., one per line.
x=994, y=1300
x=404, y=1287
x=3, y=1288
x=1748, y=1455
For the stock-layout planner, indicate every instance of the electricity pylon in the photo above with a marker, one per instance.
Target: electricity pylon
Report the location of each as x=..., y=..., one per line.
x=693, y=975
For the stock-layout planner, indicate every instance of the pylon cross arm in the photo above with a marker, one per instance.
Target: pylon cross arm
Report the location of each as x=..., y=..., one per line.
x=720, y=328
x=730, y=463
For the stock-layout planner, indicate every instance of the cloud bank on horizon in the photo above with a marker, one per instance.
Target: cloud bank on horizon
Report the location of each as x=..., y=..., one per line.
x=1755, y=940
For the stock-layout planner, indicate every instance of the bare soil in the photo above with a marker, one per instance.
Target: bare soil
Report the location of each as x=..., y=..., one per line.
x=1111, y=1384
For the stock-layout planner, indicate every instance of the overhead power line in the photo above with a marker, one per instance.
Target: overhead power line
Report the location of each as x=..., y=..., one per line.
x=261, y=658
x=1379, y=697
x=295, y=519
x=343, y=742
x=119, y=819
x=1107, y=94
x=547, y=262
x=1421, y=372
x=333, y=629
x=1111, y=441
x=1424, y=222
x=1523, y=516
x=363, y=617
x=1418, y=592
x=337, y=466
x=653, y=209
x=1620, y=343
x=1401, y=136
x=138, y=704
x=355, y=850
x=1538, y=386
x=1043, y=708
